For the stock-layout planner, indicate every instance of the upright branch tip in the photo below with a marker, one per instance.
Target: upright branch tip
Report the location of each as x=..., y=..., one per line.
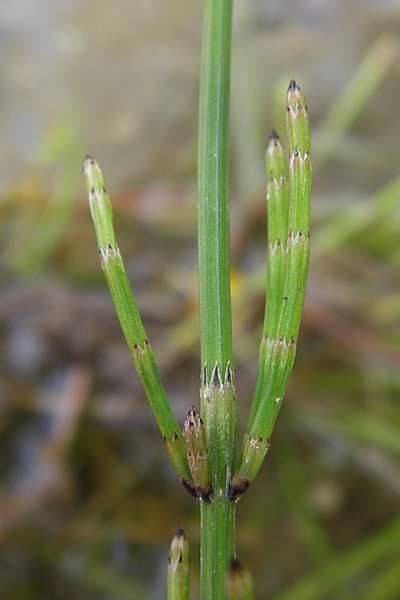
x=178, y=567
x=293, y=87
x=273, y=136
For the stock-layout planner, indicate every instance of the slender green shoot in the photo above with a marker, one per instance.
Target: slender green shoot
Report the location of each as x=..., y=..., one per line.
x=277, y=210
x=129, y=318
x=286, y=280
x=277, y=233
x=178, y=568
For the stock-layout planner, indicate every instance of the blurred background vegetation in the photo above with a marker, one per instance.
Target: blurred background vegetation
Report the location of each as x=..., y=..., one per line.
x=88, y=502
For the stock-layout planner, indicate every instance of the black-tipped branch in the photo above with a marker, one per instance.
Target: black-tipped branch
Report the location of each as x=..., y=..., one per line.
x=178, y=568
x=286, y=284
x=196, y=447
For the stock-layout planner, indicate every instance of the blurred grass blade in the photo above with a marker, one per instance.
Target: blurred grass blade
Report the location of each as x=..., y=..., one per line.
x=384, y=586
x=178, y=568
x=104, y=580
x=342, y=227
x=40, y=229
x=331, y=580
x=247, y=114
x=357, y=426
x=294, y=477
x=129, y=318
x=355, y=95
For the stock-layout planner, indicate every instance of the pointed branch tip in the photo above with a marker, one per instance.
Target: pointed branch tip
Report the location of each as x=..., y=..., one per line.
x=273, y=136
x=88, y=160
x=293, y=87
x=192, y=412
x=216, y=376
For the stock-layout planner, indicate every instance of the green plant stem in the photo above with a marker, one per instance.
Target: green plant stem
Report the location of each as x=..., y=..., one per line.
x=213, y=213
x=178, y=568
x=129, y=318
x=217, y=543
x=218, y=404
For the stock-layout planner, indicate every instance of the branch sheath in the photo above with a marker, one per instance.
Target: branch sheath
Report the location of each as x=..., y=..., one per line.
x=129, y=318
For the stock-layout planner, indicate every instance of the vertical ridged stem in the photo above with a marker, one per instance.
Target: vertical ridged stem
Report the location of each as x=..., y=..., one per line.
x=218, y=405
x=218, y=514
x=217, y=544
x=213, y=212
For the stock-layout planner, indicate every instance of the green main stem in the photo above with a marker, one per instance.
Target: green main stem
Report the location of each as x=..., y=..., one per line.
x=213, y=213
x=217, y=394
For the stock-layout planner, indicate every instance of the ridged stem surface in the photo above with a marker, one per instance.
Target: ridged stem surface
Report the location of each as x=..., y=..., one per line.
x=218, y=404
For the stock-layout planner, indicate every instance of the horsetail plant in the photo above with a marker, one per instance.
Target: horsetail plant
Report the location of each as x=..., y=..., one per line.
x=288, y=258
x=203, y=455
x=178, y=567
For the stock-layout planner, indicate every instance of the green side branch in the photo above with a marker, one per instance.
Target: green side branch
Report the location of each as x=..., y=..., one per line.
x=287, y=269
x=277, y=233
x=194, y=434
x=277, y=211
x=179, y=568
x=129, y=318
